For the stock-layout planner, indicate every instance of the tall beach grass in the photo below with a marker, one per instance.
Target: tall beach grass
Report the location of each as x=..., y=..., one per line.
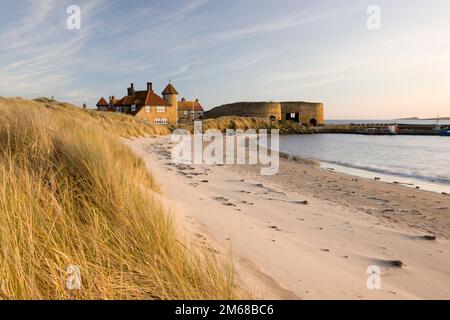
x=72, y=194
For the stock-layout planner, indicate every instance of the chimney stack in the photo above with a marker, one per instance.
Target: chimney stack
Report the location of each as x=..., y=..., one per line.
x=131, y=90
x=149, y=86
x=183, y=99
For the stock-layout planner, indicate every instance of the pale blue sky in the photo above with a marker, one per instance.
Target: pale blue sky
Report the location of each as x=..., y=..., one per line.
x=225, y=51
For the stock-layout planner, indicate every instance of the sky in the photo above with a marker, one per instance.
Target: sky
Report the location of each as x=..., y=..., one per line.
x=235, y=50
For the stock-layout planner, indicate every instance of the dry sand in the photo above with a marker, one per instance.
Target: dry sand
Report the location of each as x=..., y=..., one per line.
x=308, y=233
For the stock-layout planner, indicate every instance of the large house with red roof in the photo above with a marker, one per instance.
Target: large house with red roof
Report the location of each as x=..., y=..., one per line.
x=148, y=105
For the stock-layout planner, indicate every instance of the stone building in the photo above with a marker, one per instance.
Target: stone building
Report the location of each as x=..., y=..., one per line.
x=302, y=112
x=306, y=113
x=189, y=111
x=148, y=105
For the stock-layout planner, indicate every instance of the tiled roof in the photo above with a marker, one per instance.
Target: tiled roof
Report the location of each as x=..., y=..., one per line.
x=170, y=89
x=102, y=102
x=147, y=98
x=118, y=102
x=154, y=100
x=188, y=105
x=128, y=100
x=140, y=97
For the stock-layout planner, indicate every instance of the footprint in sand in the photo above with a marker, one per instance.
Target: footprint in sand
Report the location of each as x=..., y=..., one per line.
x=221, y=199
x=229, y=204
x=428, y=237
x=390, y=263
x=275, y=228
x=304, y=202
x=225, y=201
x=269, y=190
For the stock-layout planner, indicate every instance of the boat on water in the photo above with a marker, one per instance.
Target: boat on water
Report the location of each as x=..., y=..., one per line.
x=444, y=132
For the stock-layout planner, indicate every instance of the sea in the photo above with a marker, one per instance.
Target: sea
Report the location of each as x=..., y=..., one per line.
x=427, y=122
x=413, y=161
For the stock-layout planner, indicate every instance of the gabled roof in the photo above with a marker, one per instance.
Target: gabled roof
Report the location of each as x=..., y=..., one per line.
x=153, y=99
x=102, y=102
x=184, y=105
x=118, y=102
x=127, y=100
x=115, y=101
x=170, y=89
x=148, y=98
x=140, y=97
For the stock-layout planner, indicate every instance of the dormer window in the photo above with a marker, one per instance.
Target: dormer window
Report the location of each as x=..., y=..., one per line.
x=147, y=109
x=160, y=109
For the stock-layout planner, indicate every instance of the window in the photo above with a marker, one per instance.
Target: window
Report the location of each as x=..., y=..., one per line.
x=147, y=109
x=160, y=109
x=161, y=121
x=292, y=115
x=133, y=108
x=186, y=112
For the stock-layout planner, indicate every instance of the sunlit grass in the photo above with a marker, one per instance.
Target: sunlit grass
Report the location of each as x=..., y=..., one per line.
x=72, y=194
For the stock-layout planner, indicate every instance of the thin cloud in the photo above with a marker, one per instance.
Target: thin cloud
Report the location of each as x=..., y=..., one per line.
x=263, y=28
x=38, y=50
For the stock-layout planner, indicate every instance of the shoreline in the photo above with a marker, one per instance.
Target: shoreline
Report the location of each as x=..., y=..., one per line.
x=367, y=161
x=309, y=233
x=411, y=182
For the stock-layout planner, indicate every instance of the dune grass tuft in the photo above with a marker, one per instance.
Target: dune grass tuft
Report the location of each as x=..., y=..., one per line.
x=72, y=194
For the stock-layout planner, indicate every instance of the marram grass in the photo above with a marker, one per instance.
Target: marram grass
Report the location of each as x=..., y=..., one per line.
x=72, y=194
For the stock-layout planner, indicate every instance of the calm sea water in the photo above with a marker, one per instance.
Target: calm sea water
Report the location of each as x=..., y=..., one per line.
x=423, y=158
x=441, y=122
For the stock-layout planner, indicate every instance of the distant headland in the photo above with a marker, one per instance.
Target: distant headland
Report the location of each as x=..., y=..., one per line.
x=425, y=119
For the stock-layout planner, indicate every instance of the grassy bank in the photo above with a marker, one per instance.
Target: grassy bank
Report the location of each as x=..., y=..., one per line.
x=241, y=123
x=71, y=194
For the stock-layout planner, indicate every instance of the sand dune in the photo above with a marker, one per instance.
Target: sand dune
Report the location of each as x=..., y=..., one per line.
x=309, y=233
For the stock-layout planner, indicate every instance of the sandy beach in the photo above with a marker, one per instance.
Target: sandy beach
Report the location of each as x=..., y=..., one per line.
x=309, y=233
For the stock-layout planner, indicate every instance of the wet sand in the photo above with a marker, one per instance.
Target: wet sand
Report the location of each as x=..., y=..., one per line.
x=310, y=233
